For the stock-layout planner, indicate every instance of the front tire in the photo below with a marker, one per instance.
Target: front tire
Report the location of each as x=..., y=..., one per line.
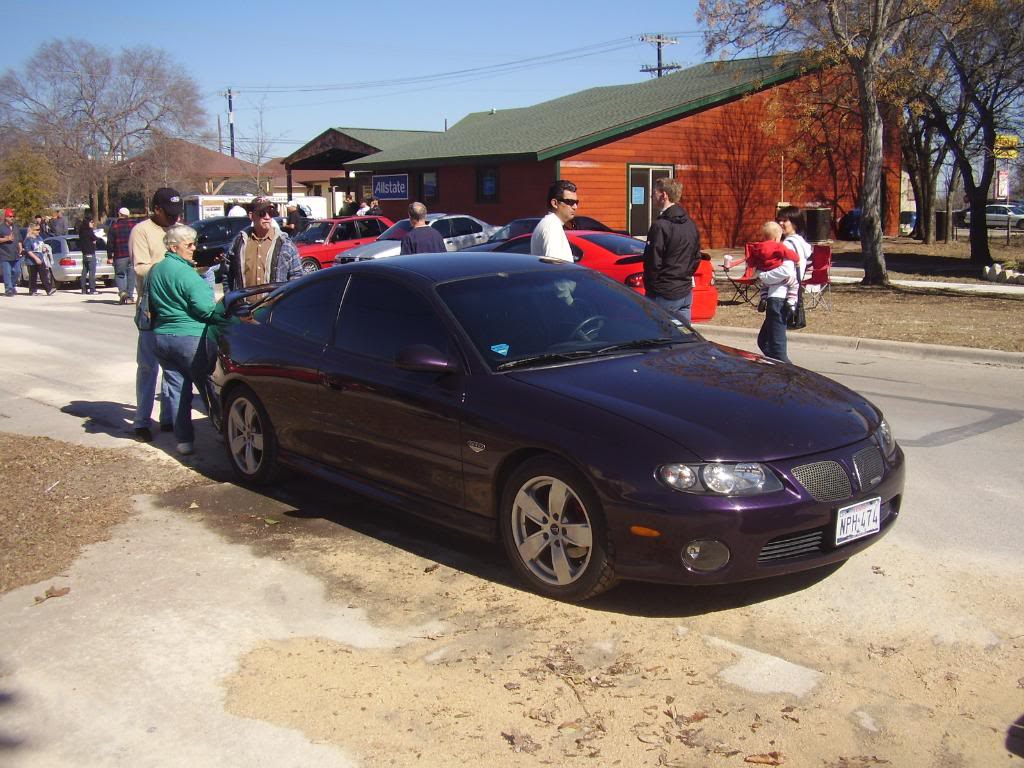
x=554, y=531
x=249, y=438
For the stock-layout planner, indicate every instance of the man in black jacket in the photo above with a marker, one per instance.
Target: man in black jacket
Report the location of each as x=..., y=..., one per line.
x=87, y=245
x=672, y=254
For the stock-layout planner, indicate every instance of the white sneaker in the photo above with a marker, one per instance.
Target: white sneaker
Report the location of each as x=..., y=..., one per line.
x=185, y=449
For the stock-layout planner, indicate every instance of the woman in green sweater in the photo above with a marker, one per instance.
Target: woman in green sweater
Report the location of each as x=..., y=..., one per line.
x=182, y=309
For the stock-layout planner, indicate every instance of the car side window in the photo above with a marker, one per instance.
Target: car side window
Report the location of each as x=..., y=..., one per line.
x=308, y=312
x=345, y=230
x=515, y=246
x=379, y=318
x=370, y=227
x=443, y=227
x=464, y=226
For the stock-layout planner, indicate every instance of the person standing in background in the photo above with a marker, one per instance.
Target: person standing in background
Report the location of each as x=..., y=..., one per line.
x=549, y=238
x=38, y=268
x=422, y=238
x=146, y=247
x=59, y=225
x=87, y=245
x=672, y=253
x=10, y=252
x=117, y=247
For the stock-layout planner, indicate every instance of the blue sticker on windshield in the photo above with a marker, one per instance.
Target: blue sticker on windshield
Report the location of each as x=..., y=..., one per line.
x=501, y=349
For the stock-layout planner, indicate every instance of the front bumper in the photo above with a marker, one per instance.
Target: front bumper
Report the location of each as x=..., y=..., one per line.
x=783, y=532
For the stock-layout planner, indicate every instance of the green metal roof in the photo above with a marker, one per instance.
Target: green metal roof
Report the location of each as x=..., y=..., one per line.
x=560, y=126
x=384, y=138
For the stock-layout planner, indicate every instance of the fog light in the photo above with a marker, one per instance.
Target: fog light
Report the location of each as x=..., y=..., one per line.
x=705, y=555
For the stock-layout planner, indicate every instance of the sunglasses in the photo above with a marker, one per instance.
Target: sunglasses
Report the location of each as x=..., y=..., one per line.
x=265, y=214
x=571, y=203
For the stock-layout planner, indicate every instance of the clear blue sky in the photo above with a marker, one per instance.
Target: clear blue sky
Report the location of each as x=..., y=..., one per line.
x=250, y=46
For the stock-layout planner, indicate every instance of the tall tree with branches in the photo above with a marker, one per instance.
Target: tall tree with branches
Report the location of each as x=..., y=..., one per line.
x=90, y=109
x=859, y=33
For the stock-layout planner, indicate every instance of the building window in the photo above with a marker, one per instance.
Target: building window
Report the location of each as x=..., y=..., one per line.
x=487, y=185
x=429, y=191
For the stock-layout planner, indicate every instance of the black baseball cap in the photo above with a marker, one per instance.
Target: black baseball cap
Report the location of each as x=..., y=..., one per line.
x=168, y=200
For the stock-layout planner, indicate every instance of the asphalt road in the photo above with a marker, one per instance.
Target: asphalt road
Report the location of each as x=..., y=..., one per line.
x=68, y=373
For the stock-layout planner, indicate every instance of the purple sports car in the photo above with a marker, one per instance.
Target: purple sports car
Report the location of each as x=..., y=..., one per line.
x=549, y=407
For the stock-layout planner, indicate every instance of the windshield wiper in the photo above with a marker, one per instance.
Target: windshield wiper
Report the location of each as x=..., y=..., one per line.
x=548, y=357
x=639, y=344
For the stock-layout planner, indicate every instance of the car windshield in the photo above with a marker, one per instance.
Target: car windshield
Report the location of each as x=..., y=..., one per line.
x=316, y=232
x=620, y=245
x=547, y=316
x=396, y=231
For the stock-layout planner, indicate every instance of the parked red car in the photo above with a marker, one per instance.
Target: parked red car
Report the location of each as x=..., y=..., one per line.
x=622, y=258
x=323, y=239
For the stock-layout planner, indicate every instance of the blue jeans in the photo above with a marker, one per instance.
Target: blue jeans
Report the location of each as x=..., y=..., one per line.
x=184, y=355
x=88, y=273
x=145, y=384
x=771, y=339
x=12, y=271
x=679, y=307
x=124, y=277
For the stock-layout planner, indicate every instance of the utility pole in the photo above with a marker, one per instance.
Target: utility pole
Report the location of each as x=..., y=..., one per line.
x=231, y=123
x=660, y=41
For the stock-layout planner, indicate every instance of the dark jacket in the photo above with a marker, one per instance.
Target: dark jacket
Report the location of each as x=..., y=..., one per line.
x=672, y=254
x=86, y=239
x=423, y=240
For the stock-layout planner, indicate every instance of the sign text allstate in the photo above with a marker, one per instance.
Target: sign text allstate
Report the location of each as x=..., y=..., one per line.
x=391, y=187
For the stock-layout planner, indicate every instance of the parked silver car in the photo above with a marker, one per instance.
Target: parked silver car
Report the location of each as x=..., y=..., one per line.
x=458, y=230
x=67, y=262
x=997, y=214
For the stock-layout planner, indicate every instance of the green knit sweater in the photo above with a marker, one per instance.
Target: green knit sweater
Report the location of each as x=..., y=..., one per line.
x=180, y=299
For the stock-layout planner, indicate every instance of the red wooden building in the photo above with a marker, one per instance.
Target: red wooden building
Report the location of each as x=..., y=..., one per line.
x=741, y=136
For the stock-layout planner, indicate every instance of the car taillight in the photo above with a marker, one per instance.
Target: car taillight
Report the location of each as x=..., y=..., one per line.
x=636, y=280
x=67, y=262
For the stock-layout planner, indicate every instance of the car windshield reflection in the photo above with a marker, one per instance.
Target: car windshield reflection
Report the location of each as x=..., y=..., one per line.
x=550, y=316
x=314, y=233
x=396, y=231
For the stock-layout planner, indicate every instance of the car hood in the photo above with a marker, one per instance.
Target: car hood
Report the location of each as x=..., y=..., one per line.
x=376, y=250
x=721, y=404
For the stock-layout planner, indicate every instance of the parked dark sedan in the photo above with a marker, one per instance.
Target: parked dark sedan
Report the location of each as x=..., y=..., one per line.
x=214, y=237
x=548, y=406
x=525, y=226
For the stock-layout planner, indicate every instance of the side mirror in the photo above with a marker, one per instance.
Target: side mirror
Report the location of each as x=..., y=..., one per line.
x=423, y=358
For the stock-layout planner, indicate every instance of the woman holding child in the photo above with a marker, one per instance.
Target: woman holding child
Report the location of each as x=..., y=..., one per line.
x=780, y=273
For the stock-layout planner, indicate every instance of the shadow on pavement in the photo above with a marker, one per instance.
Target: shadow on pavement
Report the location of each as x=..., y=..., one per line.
x=1015, y=738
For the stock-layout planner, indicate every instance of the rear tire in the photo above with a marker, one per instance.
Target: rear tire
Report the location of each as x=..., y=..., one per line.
x=554, y=531
x=309, y=266
x=249, y=438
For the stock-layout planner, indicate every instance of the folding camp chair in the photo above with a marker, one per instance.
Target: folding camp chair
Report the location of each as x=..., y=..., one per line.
x=746, y=287
x=818, y=284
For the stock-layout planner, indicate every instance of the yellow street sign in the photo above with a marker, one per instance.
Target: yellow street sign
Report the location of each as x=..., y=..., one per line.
x=1006, y=146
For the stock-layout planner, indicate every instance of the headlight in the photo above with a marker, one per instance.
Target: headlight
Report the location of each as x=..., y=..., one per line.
x=885, y=438
x=746, y=479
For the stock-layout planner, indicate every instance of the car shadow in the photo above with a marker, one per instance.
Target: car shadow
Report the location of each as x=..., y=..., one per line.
x=1015, y=737
x=317, y=499
x=8, y=743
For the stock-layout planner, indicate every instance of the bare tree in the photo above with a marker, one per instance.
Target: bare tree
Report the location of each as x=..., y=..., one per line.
x=859, y=33
x=91, y=109
x=255, y=152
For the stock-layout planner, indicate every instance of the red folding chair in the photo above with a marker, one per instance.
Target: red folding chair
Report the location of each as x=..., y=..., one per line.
x=818, y=284
x=746, y=287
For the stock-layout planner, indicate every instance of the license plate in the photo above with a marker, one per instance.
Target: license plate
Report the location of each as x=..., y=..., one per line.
x=858, y=520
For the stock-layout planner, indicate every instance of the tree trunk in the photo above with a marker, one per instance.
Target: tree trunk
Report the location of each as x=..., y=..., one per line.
x=871, y=214
x=107, y=207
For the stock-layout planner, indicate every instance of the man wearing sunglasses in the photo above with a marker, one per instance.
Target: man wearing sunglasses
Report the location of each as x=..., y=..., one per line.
x=261, y=253
x=549, y=238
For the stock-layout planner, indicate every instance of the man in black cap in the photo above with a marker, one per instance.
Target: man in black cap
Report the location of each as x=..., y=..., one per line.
x=262, y=253
x=146, y=247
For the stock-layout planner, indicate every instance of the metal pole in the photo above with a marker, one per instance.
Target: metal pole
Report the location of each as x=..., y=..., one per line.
x=231, y=123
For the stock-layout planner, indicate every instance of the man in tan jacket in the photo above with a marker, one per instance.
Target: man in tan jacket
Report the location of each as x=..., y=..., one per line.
x=146, y=246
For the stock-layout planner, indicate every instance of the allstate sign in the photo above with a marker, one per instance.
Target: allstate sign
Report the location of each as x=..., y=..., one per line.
x=391, y=187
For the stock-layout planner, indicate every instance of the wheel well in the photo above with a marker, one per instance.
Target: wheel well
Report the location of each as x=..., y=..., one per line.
x=512, y=462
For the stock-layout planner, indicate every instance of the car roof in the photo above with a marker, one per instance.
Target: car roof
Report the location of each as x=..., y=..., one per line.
x=441, y=267
x=336, y=219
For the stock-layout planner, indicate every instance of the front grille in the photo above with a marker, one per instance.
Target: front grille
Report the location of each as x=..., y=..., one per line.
x=869, y=467
x=824, y=480
x=793, y=545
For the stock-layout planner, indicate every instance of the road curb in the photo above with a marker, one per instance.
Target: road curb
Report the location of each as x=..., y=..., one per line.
x=731, y=335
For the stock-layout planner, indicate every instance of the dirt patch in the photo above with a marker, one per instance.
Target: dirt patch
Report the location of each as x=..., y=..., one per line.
x=59, y=497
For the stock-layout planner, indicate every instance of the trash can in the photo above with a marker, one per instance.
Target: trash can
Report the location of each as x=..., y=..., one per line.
x=818, y=223
x=942, y=226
